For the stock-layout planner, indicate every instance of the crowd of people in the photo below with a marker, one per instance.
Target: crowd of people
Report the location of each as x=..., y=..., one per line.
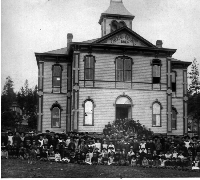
x=120, y=144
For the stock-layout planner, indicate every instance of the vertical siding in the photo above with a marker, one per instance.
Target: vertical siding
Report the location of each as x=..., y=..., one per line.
x=48, y=77
x=104, y=111
x=50, y=99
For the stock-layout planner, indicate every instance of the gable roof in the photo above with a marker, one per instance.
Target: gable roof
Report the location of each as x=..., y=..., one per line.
x=124, y=28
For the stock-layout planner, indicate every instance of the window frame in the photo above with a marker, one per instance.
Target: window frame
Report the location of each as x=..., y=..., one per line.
x=60, y=86
x=175, y=73
x=156, y=62
x=175, y=110
x=56, y=105
x=93, y=69
x=93, y=106
x=157, y=102
x=123, y=68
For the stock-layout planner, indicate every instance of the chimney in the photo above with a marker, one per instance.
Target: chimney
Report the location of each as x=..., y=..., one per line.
x=69, y=39
x=159, y=43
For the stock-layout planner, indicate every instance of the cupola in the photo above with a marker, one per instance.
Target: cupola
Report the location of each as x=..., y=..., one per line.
x=115, y=17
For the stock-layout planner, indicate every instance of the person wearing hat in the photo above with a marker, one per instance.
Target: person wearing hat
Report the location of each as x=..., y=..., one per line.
x=17, y=139
x=151, y=145
x=187, y=141
x=71, y=145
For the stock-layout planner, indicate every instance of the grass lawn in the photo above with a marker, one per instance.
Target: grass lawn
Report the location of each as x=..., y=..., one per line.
x=13, y=168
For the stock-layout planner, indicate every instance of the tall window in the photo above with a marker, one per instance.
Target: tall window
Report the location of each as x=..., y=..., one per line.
x=156, y=114
x=173, y=81
x=56, y=115
x=123, y=69
x=56, y=78
x=89, y=67
x=174, y=117
x=156, y=67
x=88, y=113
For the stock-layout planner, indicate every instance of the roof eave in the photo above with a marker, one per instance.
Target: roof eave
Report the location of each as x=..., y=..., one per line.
x=114, y=15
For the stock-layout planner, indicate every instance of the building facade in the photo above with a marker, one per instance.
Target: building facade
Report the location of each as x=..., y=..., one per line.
x=121, y=75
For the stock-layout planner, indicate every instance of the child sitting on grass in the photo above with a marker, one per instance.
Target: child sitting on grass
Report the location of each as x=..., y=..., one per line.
x=51, y=154
x=88, y=159
x=57, y=156
x=145, y=162
x=133, y=161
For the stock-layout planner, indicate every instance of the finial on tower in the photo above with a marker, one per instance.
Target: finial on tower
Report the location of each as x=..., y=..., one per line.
x=115, y=1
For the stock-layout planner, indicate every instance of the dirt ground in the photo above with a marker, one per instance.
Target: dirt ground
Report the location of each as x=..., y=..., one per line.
x=14, y=168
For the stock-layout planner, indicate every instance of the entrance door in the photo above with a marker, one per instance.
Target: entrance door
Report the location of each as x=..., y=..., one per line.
x=123, y=108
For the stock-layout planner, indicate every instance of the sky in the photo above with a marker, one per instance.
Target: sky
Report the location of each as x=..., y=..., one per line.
x=29, y=26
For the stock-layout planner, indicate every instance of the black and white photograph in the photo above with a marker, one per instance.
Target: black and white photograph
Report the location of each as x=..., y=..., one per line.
x=100, y=89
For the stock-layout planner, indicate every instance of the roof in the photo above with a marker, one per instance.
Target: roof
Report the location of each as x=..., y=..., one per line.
x=90, y=41
x=179, y=61
x=116, y=8
x=58, y=51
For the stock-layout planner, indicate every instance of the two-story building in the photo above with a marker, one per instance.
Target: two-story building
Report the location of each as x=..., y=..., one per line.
x=120, y=75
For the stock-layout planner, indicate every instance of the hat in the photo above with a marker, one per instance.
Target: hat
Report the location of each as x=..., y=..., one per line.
x=187, y=136
x=131, y=147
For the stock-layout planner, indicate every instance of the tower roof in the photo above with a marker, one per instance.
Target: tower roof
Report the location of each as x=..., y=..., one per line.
x=116, y=8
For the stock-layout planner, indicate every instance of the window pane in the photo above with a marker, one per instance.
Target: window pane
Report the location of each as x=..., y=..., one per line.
x=56, y=117
x=157, y=120
x=154, y=120
x=156, y=71
x=173, y=77
x=156, y=108
x=173, y=124
x=119, y=64
x=89, y=62
x=127, y=76
x=127, y=64
x=119, y=75
x=88, y=112
x=56, y=70
x=56, y=81
x=89, y=74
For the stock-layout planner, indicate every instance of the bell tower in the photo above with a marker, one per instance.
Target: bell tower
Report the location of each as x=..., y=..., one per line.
x=115, y=17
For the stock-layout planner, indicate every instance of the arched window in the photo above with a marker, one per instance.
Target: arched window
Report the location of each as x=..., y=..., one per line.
x=89, y=67
x=123, y=69
x=156, y=69
x=174, y=118
x=56, y=78
x=122, y=24
x=114, y=26
x=156, y=114
x=88, y=112
x=56, y=115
